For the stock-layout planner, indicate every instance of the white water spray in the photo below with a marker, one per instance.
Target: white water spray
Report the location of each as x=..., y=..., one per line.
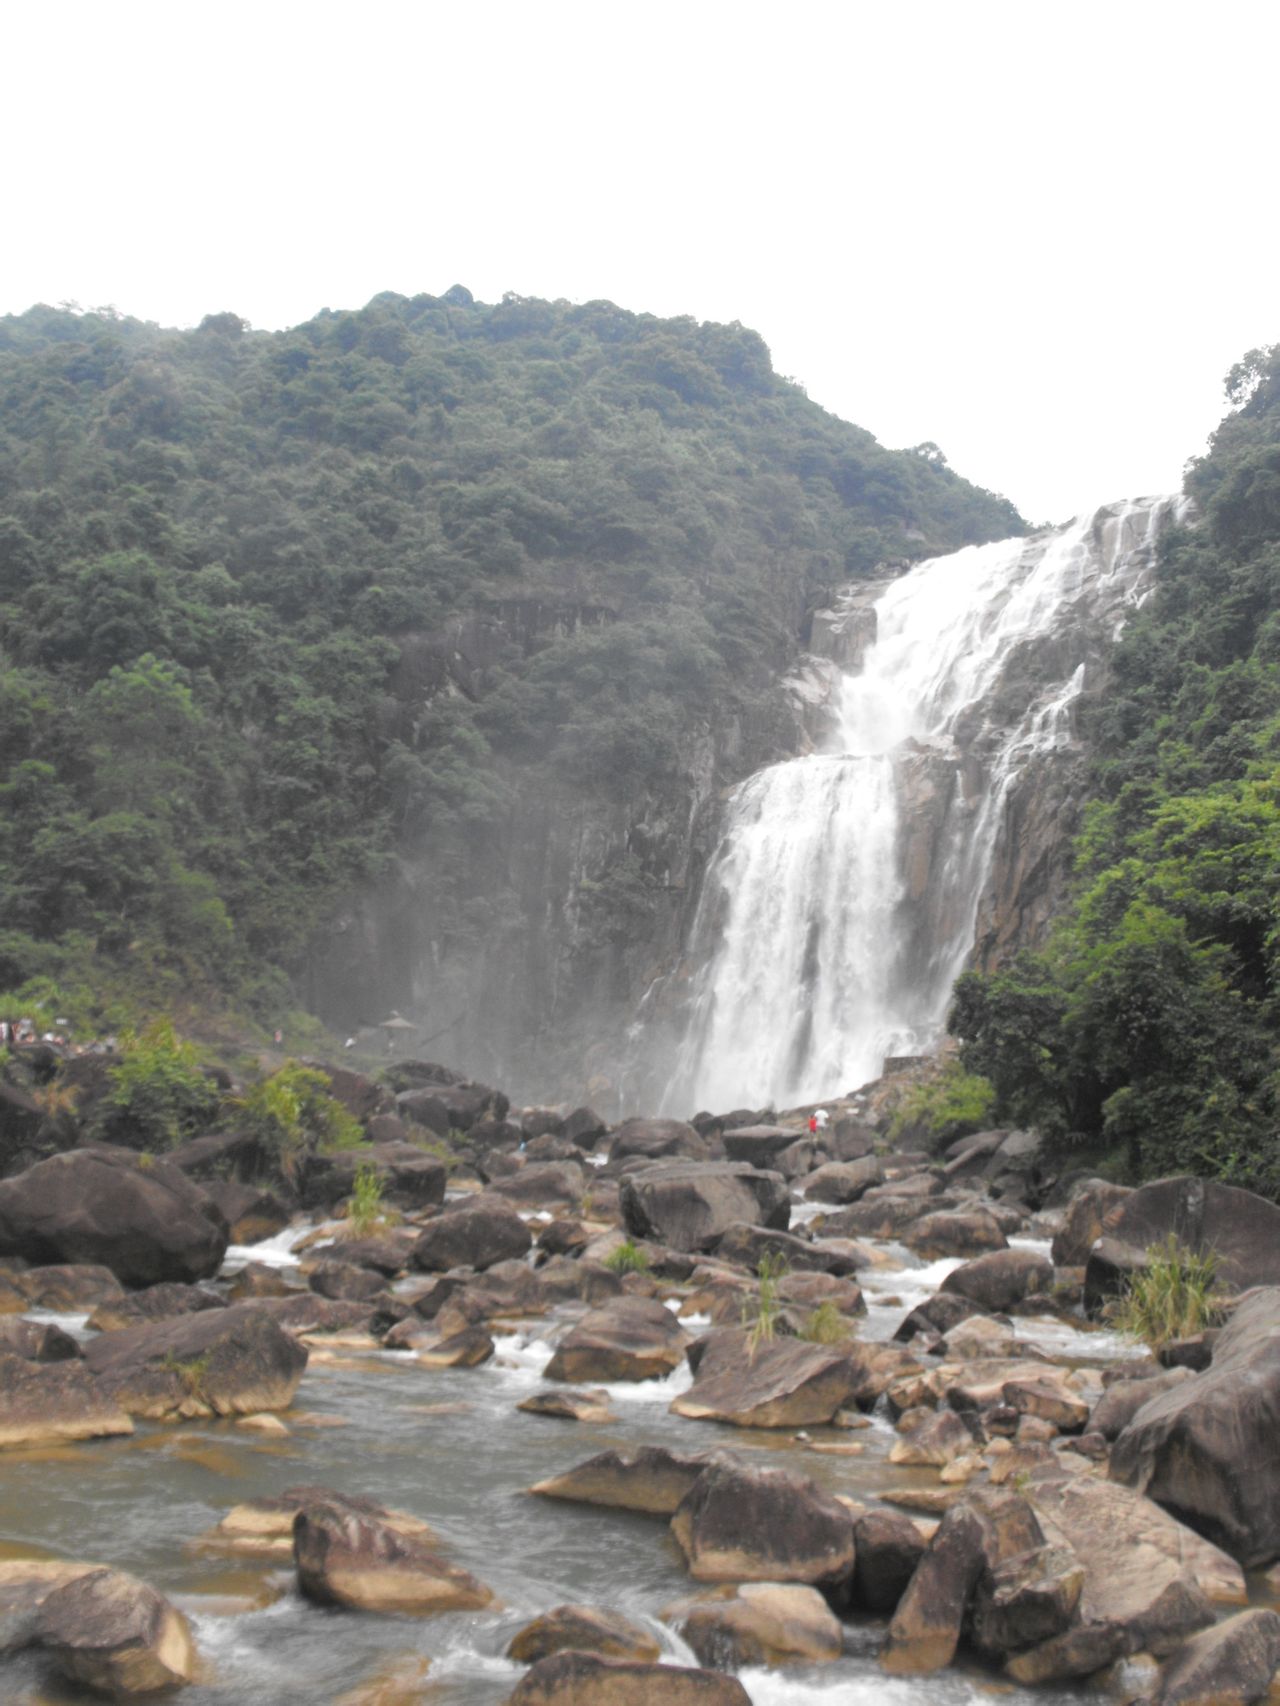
x=841, y=903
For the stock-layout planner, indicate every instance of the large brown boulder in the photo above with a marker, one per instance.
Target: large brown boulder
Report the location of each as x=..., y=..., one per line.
x=780, y=1383
x=929, y=1620
x=475, y=1237
x=42, y=1403
x=747, y=1245
x=251, y=1212
x=653, y=1479
x=655, y=1140
x=740, y=1524
x=690, y=1204
x=585, y=1679
x=630, y=1338
x=223, y=1362
x=844, y=1181
x=760, y=1145
x=887, y=1547
x=758, y=1623
x=142, y=1218
x=1232, y=1664
x=116, y=1635
x=345, y=1558
x=1001, y=1279
x=584, y=1629
x=156, y=1303
x=263, y=1528
x=409, y=1178
x=955, y=1233
x=1242, y=1230
x=559, y=1182
x=36, y=1341
x=1205, y=1448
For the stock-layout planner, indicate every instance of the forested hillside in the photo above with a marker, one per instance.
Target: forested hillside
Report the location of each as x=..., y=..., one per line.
x=286, y=616
x=1151, y=1027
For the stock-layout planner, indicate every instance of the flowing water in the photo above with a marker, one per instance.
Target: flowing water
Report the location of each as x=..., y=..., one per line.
x=449, y=1446
x=841, y=904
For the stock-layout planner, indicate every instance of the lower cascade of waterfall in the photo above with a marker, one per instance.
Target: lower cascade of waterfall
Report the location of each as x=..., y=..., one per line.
x=840, y=905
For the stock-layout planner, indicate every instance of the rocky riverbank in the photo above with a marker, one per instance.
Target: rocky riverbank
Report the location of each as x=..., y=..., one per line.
x=876, y=1427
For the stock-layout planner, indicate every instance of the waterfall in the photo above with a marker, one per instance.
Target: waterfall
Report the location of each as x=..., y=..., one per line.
x=840, y=905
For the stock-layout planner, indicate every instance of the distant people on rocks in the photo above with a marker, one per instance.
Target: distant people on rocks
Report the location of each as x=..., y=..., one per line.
x=818, y=1122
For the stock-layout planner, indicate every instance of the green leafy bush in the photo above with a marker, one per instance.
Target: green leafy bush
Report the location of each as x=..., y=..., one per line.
x=948, y=1105
x=292, y=1114
x=825, y=1325
x=760, y=1313
x=158, y=1096
x=365, y=1209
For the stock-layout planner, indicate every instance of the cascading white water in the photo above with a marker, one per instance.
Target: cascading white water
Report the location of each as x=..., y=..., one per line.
x=841, y=903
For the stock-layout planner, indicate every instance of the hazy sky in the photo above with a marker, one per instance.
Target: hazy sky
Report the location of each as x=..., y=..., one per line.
x=1039, y=236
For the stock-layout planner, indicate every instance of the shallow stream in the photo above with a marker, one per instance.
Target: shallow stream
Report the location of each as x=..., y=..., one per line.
x=451, y=1447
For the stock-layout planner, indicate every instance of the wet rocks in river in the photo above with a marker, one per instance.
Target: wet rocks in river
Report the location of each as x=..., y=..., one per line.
x=690, y=1205
x=156, y=1303
x=758, y=1623
x=42, y=1403
x=844, y=1181
x=887, y=1548
x=740, y=1524
x=473, y=1237
x=653, y=1479
x=575, y=1678
x=263, y=1528
x=222, y=1362
x=1000, y=1279
x=652, y=1140
x=954, y=1233
x=566, y=1404
x=631, y=1338
x=345, y=1558
x=1091, y=1201
x=780, y=1383
x=103, y=1205
x=116, y=1635
x=1232, y=1664
x=36, y=1341
x=1205, y=1447
x=585, y=1629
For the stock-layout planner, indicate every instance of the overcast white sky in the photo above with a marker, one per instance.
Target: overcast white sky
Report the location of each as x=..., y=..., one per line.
x=1039, y=236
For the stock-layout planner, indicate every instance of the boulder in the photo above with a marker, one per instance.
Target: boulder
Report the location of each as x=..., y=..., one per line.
x=263, y=1528
x=562, y=1278
x=954, y=1233
x=156, y=1303
x=1001, y=1279
x=1091, y=1201
x=251, y=1213
x=1241, y=1229
x=937, y=1314
x=887, y=1548
x=807, y=1291
x=218, y=1155
x=467, y=1348
x=36, y=1341
x=221, y=1362
x=141, y=1218
x=1122, y=1400
x=844, y=1181
x=42, y=1403
x=584, y=1679
x=747, y=1245
x=344, y=1281
x=740, y=1524
x=559, y=1182
x=583, y=1629
x=1025, y=1600
x=631, y=1338
x=409, y=1177
x=938, y=1439
x=780, y=1383
x=584, y=1128
x=473, y=1238
x=1205, y=1448
x=759, y=1145
x=258, y=1279
x=653, y=1140
x=568, y=1405
x=1111, y=1266
x=345, y=1558
x=979, y=1336
x=875, y=1217
x=653, y=1480
x=116, y=1635
x=388, y=1252
x=690, y=1205
x=69, y=1288
x=1232, y=1664
x=758, y=1623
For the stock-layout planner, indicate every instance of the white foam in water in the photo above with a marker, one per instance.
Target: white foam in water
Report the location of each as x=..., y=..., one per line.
x=769, y=1688
x=71, y=1321
x=277, y=1252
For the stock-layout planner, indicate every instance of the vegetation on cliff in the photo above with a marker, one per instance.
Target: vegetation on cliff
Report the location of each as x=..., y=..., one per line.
x=274, y=607
x=1152, y=1023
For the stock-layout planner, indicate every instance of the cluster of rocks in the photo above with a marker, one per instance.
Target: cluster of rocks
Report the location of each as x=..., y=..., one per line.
x=1052, y=1540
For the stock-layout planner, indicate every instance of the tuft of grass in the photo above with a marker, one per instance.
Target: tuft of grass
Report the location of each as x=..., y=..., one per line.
x=1171, y=1298
x=365, y=1208
x=628, y=1258
x=825, y=1325
x=760, y=1313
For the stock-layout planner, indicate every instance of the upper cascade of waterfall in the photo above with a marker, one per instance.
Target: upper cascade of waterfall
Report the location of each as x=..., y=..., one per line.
x=840, y=905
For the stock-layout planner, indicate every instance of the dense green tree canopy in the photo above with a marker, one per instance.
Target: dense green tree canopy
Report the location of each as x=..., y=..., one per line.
x=1152, y=1023
x=275, y=606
